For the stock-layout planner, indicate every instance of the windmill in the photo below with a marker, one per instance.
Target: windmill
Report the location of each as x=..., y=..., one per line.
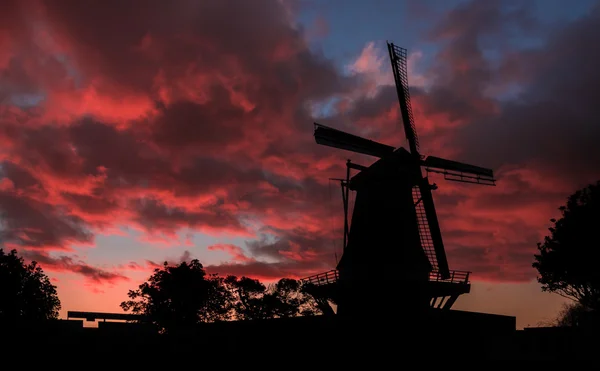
x=394, y=243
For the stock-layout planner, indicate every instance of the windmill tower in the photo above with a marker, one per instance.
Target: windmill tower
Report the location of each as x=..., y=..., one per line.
x=394, y=246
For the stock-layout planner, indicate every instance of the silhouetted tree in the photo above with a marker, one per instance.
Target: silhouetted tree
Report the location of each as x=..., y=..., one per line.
x=254, y=300
x=572, y=315
x=183, y=295
x=568, y=259
x=180, y=296
x=26, y=293
x=294, y=300
x=247, y=298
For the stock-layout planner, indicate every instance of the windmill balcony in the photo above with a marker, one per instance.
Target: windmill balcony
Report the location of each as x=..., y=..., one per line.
x=461, y=277
x=332, y=276
x=324, y=278
x=443, y=292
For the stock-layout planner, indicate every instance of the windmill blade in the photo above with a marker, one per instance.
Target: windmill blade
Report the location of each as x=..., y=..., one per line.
x=435, y=234
x=460, y=170
x=331, y=137
x=398, y=58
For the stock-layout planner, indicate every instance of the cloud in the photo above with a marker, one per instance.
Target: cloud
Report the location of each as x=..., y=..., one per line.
x=236, y=252
x=191, y=116
x=186, y=257
x=160, y=123
x=371, y=63
x=62, y=263
x=265, y=271
x=133, y=266
x=554, y=120
x=30, y=223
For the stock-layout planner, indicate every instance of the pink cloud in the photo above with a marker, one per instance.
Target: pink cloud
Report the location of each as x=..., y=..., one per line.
x=94, y=276
x=160, y=123
x=236, y=252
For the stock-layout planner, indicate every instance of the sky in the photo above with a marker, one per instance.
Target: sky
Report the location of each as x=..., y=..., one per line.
x=137, y=132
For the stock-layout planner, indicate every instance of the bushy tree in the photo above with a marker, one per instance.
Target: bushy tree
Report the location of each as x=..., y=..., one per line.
x=254, y=300
x=180, y=296
x=26, y=293
x=247, y=298
x=183, y=295
x=568, y=258
x=293, y=299
x=573, y=315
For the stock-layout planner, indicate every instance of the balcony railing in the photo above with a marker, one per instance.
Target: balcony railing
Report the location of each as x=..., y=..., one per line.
x=455, y=277
x=325, y=278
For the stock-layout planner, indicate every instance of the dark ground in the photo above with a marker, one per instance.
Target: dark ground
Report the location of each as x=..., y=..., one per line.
x=439, y=337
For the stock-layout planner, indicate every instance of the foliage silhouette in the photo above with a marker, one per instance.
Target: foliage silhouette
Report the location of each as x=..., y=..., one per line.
x=26, y=293
x=568, y=259
x=293, y=299
x=183, y=295
x=572, y=315
x=247, y=297
x=178, y=296
x=253, y=300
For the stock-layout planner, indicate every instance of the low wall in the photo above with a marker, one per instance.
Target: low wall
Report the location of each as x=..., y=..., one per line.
x=466, y=336
x=437, y=334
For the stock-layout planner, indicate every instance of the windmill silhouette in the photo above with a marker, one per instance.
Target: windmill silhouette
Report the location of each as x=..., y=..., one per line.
x=393, y=245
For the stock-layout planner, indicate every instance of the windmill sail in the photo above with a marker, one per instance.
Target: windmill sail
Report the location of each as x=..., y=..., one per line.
x=442, y=163
x=398, y=57
x=429, y=229
x=331, y=137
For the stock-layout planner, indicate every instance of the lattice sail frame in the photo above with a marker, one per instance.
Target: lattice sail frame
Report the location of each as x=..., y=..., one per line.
x=399, y=60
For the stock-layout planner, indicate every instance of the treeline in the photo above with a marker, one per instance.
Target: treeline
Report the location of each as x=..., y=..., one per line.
x=174, y=296
x=177, y=296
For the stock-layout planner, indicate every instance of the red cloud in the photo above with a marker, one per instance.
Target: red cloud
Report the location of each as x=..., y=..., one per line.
x=133, y=266
x=193, y=116
x=63, y=263
x=269, y=271
x=185, y=257
x=169, y=125
x=236, y=252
